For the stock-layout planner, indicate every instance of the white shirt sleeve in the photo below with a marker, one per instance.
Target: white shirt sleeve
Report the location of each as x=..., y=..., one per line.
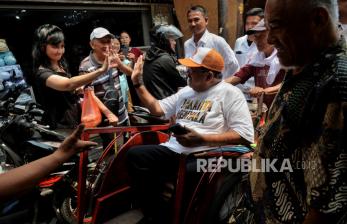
x=168, y=105
x=237, y=114
x=231, y=65
x=238, y=43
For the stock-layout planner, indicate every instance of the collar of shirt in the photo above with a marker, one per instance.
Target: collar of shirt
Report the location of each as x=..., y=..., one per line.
x=203, y=40
x=93, y=60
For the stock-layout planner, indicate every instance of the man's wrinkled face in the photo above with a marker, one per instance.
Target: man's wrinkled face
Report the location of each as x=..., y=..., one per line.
x=101, y=46
x=197, y=22
x=290, y=35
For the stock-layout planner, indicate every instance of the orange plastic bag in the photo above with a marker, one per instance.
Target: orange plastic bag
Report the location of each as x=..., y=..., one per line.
x=91, y=115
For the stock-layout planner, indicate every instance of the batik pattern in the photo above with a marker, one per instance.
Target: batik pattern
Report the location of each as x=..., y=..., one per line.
x=307, y=124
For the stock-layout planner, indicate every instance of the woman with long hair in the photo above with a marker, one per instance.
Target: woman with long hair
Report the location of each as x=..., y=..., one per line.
x=53, y=85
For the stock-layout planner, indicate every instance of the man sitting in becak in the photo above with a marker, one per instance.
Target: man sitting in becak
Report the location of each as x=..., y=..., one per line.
x=212, y=112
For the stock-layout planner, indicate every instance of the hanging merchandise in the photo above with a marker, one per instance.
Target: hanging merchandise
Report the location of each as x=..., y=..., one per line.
x=111, y=117
x=6, y=56
x=3, y=46
x=11, y=76
x=91, y=115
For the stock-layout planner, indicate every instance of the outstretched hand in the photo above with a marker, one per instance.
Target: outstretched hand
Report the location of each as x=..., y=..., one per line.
x=114, y=60
x=256, y=91
x=27, y=176
x=190, y=139
x=111, y=61
x=72, y=144
x=131, y=56
x=138, y=70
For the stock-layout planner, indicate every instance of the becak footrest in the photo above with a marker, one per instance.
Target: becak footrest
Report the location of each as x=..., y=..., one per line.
x=228, y=150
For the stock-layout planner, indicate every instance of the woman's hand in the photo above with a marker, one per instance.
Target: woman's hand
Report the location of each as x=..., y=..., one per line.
x=115, y=60
x=110, y=61
x=131, y=57
x=121, y=56
x=105, y=66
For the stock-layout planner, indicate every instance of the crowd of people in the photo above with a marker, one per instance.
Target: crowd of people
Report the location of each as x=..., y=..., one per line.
x=293, y=54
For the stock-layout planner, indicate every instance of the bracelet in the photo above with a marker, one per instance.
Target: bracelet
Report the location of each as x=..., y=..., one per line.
x=137, y=85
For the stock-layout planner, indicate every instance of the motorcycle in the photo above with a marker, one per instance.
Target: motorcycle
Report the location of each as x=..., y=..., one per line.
x=22, y=140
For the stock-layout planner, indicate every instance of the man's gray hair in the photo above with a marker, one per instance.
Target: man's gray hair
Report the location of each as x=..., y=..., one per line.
x=330, y=5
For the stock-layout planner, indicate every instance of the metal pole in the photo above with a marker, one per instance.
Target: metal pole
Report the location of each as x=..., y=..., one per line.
x=223, y=9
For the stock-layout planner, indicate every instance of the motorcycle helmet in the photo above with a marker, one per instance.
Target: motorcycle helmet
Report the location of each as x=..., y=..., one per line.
x=161, y=35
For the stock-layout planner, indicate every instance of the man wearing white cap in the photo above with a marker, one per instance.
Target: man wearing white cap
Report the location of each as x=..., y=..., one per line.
x=107, y=86
x=212, y=112
x=264, y=67
x=100, y=42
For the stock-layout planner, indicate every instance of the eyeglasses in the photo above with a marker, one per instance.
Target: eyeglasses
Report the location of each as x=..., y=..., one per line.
x=197, y=70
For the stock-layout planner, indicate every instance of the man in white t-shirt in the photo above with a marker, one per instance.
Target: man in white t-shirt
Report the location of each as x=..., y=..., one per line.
x=212, y=112
x=198, y=20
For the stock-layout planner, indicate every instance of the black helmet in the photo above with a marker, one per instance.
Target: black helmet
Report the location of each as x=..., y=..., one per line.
x=160, y=35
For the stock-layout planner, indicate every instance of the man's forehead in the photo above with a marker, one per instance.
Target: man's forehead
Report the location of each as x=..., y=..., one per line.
x=285, y=10
x=253, y=18
x=194, y=14
x=277, y=10
x=104, y=39
x=275, y=7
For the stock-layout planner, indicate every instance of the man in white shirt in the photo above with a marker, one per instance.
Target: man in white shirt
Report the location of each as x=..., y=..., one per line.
x=212, y=112
x=198, y=20
x=245, y=47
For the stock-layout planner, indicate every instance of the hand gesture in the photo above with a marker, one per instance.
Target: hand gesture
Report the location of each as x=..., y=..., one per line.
x=131, y=57
x=72, y=144
x=256, y=91
x=191, y=139
x=109, y=62
x=105, y=66
x=121, y=56
x=116, y=57
x=137, y=71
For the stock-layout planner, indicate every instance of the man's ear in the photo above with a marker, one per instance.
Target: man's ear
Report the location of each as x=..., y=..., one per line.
x=209, y=76
x=91, y=43
x=320, y=17
x=206, y=20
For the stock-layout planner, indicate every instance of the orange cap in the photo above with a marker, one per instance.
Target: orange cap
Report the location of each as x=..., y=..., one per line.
x=205, y=57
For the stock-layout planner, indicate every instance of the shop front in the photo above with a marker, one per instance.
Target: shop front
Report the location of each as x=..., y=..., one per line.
x=19, y=19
